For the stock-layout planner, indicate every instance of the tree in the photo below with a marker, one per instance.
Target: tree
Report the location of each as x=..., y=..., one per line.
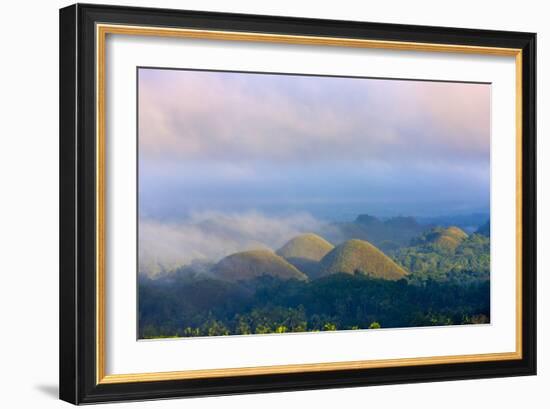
x=329, y=326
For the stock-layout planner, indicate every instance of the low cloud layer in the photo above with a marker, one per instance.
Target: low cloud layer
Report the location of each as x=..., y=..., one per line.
x=164, y=246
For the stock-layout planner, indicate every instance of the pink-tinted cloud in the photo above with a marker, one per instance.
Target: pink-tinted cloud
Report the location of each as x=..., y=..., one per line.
x=234, y=117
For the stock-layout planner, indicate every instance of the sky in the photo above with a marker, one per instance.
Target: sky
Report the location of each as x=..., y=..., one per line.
x=326, y=146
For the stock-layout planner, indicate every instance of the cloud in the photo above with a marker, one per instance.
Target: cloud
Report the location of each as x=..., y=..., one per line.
x=232, y=142
x=190, y=115
x=210, y=236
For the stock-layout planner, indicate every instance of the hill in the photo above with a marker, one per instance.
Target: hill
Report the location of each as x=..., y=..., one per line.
x=305, y=251
x=446, y=238
x=307, y=246
x=254, y=263
x=360, y=255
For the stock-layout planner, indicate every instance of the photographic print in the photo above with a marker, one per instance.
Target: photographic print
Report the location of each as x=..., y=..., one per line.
x=273, y=203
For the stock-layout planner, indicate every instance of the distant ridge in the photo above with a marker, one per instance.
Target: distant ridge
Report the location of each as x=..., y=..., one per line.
x=385, y=234
x=484, y=229
x=255, y=263
x=467, y=222
x=361, y=255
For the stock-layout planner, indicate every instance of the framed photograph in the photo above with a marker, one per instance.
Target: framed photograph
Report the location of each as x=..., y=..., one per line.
x=258, y=203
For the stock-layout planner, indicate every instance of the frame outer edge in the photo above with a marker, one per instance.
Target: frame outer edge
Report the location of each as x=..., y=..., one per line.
x=68, y=336
x=77, y=385
x=530, y=204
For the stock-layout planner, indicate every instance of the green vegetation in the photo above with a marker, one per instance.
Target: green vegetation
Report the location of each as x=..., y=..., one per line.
x=254, y=263
x=193, y=306
x=360, y=255
x=429, y=258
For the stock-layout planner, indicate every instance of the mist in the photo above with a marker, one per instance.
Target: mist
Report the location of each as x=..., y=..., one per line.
x=210, y=236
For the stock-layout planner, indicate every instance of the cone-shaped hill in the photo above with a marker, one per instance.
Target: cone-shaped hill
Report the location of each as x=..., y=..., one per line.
x=455, y=232
x=254, y=263
x=360, y=255
x=305, y=251
x=448, y=238
x=308, y=246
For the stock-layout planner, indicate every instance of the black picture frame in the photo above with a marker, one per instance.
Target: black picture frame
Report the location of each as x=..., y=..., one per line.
x=78, y=360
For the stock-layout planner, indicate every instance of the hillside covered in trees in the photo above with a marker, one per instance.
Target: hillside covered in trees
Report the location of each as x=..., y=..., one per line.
x=428, y=276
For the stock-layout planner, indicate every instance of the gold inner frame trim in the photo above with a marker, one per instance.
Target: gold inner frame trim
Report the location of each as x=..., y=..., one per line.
x=101, y=33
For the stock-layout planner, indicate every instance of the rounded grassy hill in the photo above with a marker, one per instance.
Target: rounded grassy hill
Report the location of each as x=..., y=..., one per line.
x=307, y=246
x=254, y=263
x=305, y=251
x=450, y=238
x=361, y=255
